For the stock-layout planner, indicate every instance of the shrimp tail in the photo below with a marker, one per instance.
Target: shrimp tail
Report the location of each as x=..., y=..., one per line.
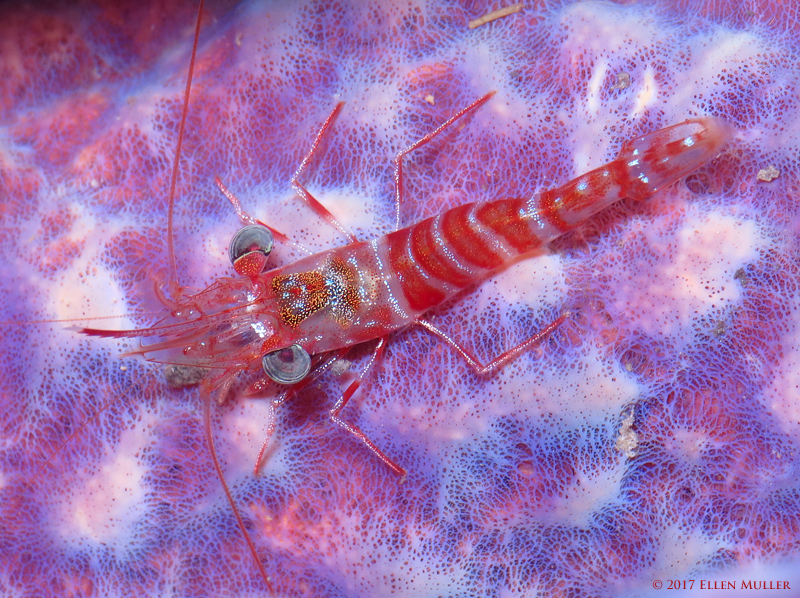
x=659, y=158
x=643, y=166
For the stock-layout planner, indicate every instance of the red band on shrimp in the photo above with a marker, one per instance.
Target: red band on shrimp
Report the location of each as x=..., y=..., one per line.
x=504, y=218
x=628, y=187
x=550, y=203
x=466, y=242
x=420, y=295
x=429, y=256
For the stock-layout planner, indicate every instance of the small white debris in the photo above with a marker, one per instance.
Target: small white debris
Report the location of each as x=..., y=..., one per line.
x=623, y=81
x=340, y=367
x=628, y=439
x=768, y=174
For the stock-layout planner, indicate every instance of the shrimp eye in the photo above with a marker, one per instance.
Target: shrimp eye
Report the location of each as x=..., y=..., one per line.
x=249, y=249
x=287, y=366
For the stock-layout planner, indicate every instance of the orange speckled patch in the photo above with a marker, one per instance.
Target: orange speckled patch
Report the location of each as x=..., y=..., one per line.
x=345, y=298
x=299, y=295
x=304, y=293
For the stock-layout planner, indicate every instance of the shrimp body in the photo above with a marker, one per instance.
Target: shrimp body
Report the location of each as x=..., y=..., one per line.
x=365, y=290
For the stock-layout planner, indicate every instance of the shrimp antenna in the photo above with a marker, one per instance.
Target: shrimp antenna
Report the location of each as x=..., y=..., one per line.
x=174, y=177
x=173, y=279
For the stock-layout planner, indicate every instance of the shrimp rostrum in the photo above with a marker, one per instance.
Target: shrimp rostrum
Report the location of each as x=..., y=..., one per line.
x=288, y=323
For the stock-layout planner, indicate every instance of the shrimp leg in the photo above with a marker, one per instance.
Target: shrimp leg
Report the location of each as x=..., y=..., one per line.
x=315, y=205
x=304, y=194
x=312, y=202
x=354, y=429
x=482, y=369
x=474, y=363
x=326, y=215
x=285, y=396
x=398, y=160
x=248, y=219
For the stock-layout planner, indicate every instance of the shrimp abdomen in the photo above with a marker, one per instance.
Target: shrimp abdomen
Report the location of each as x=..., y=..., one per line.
x=437, y=257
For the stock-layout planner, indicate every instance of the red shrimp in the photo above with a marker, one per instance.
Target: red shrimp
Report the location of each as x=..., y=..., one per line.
x=286, y=320
x=291, y=322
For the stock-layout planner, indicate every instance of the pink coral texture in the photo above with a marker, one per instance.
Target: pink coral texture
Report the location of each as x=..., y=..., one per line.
x=651, y=440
